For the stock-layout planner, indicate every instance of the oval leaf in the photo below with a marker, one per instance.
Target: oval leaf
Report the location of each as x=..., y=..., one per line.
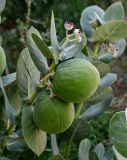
x=114, y=12
x=88, y=16
x=24, y=81
x=38, y=58
x=35, y=138
x=111, y=31
x=118, y=132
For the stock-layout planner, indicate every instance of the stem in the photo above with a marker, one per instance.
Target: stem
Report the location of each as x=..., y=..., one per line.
x=70, y=143
x=71, y=139
x=54, y=145
x=96, y=49
x=78, y=110
x=28, y=15
x=52, y=67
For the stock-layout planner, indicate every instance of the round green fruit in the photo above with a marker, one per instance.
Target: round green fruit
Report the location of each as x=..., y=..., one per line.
x=2, y=60
x=53, y=115
x=75, y=80
x=102, y=68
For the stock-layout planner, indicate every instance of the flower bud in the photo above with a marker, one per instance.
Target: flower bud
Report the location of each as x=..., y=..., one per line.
x=68, y=25
x=77, y=33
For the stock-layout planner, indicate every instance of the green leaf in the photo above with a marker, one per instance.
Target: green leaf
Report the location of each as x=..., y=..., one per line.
x=88, y=16
x=108, y=80
x=38, y=58
x=56, y=157
x=10, y=78
x=100, y=94
x=42, y=46
x=98, y=108
x=111, y=31
x=114, y=12
x=84, y=148
x=25, y=83
x=34, y=137
x=100, y=151
x=81, y=129
x=9, y=109
x=2, y=5
x=118, y=155
x=118, y=132
x=54, y=41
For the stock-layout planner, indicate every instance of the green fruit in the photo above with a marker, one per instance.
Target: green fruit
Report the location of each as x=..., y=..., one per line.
x=75, y=80
x=2, y=60
x=102, y=68
x=53, y=115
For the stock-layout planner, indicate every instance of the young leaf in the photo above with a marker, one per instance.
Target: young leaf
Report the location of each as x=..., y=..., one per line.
x=88, y=16
x=118, y=132
x=34, y=137
x=56, y=157
x=73, y=48
x=24, y=81
x=42, y=46
x=84, y=148
x=114, y=12
x=111, y=31
x=54, y=41
x=38, y=58
x=2, y=5
x=100, y=151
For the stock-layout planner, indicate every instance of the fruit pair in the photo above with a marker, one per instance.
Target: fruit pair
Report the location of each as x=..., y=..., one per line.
x=75, y=81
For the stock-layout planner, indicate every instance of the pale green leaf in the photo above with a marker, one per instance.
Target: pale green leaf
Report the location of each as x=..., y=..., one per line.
x=114, y=12
x=84, y=148
x=111, y=31
x=34, y=137
x=118, y=132
x=25, y=83
x=42, y=46
x=38, y=58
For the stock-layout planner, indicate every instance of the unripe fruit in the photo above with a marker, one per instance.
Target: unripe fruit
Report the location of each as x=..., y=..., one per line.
x=2, y=60
x=102, y=68
x=75, y=80
x=53, y=115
